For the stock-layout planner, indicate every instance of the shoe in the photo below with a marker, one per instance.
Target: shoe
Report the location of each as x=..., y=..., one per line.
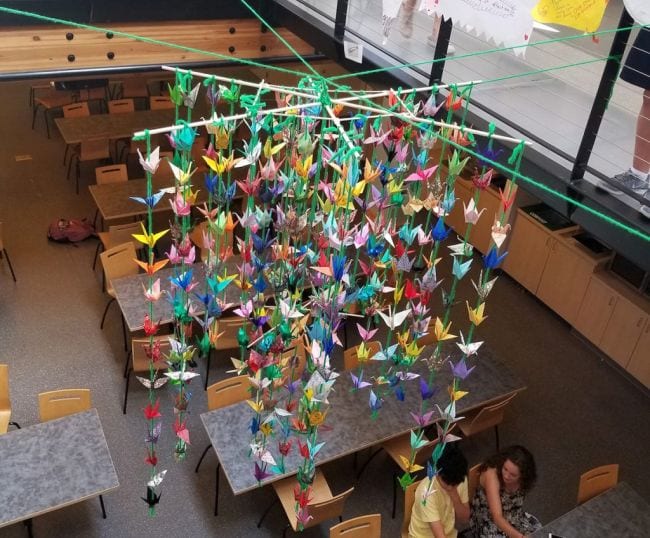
x=626, y=179
x=432, y=41
x=645, y=209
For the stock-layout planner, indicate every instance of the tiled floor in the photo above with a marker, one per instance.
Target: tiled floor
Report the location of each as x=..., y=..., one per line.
x=578, y=412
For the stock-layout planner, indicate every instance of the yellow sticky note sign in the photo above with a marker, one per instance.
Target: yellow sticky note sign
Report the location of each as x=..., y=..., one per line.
x=583, y=15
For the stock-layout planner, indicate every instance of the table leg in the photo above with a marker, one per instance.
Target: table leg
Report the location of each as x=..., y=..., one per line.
x=101, y=502
x=28, y=524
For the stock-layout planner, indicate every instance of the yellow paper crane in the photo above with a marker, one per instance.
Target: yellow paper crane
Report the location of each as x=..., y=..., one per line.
x=148, y=239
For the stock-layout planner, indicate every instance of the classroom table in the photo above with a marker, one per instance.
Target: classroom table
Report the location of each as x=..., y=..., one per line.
x=52, y=465
x=620, y=511
x=350, y=427
x=112, y=126
x=113, y=200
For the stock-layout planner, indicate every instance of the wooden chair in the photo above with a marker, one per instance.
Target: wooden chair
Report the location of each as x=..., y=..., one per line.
x=4, y=254
x=228, y=340
x=74, y=110
x=112, y=173
x=160, y=102
x=597, y=481
x=323, y=506
x=134, y=88
x=117, y=235
x=409, y=501
x=117, y=262
x=121, y=106
x=358, y=527
x=49, y=101
x=60, y=403
x=489, y=416
x=139, y=363
x=221, y=394
x=473, y=480
x=351, y=357
x=96, y=149
x=5, y=401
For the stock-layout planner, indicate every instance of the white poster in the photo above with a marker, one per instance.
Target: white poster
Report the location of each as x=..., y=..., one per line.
x=389, y=11
x=639, y=9
x=505, y=22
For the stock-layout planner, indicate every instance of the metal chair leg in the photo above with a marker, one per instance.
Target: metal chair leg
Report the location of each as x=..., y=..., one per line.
x=363, y=468
x=268, y=509
x=207, y=369
x=78, y=176
x=97, y=250
x=126, y=345
x=101, y=325
x=47, y=121
x=216, y=492
x=284, y=532
x=496, y=435
x=394, y=494
x=11, y=268
x=126, y=363
x=34, y=112
x=126, y=391
x=30, y=531
x=101, y=502
x=65, y=154
x=15, y=424
x=196, y=470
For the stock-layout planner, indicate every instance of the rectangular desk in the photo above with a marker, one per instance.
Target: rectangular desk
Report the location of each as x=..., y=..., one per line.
x=349, y=417
x=113, y=199
x=130, y=297
x=112, y=126
x=620, y=511
x=52, y=465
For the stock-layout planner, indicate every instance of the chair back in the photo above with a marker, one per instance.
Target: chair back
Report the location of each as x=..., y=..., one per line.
x=473, y=479
x=59, y=403
x=329, y=509
x=119, y=261
x=488, y=417
x=228, y=392
x=358, y=527
x=409, y=501
x=114, y=173
x=121, y=106
x=134, y=87
x=424, y=453
x=164, y=171
x=5, y=403
x=597, y=481
x=139, y=353
x=351, y=355
x=160, y=102
x=94, y=149
x=123, y=233
x=76, y=110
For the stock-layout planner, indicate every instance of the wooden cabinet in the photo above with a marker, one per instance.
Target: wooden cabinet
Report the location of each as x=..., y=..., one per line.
x=481, y=233
x=565, y=277
x=623, y=331
x=639, y=365
x=596, y=309
x=527, y=251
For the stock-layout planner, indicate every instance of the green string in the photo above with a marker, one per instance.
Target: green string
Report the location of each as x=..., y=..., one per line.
x=149, y=40
x=480, y=53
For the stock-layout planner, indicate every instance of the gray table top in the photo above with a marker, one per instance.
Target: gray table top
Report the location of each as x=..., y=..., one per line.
x=112, y=126
x=620, y=511
x=352, y=427
x=114, y=202
x=130, y=296
x=53, y=464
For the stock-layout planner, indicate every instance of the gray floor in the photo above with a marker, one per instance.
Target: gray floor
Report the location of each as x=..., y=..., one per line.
x=578, y=412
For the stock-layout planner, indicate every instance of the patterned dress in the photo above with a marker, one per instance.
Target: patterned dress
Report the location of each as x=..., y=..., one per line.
x=481, y=523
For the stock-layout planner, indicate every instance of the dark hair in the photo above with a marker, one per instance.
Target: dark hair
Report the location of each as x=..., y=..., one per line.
x=522, y=458
x=452, y=465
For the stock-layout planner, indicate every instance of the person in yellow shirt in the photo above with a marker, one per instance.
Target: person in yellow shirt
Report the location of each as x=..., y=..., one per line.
x=442, y=504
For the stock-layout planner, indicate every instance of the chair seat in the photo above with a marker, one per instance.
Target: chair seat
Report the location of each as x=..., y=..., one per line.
x=320, y=492
x=5, y=417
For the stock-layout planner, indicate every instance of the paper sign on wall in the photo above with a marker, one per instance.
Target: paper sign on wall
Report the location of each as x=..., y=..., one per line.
x=506, y=22
x=583, y=15
x=639, y=9
x=353, y=51
x=389, y=11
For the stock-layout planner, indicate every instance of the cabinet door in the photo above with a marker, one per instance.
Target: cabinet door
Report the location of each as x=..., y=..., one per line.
x=596, y=308
x=623, y=331
x=527, y=253
x=639, y=365
x=564, y=281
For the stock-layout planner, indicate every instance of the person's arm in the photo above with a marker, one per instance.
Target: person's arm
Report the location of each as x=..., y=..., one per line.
x=437, y=530
x=461, y=509
x=490, y=482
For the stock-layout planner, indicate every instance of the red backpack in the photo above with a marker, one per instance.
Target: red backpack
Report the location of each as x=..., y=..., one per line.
x=70, y=231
